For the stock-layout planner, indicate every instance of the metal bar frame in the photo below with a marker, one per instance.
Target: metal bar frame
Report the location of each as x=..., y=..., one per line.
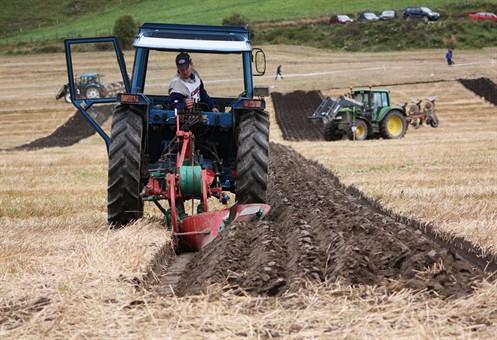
x=84, y=104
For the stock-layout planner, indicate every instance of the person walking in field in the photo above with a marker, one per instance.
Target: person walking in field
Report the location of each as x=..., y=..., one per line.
x=448, y=57
x=279, y=74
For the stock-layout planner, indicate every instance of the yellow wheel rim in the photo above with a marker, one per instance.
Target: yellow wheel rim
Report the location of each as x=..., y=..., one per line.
x=394, y=126
x=360, y=132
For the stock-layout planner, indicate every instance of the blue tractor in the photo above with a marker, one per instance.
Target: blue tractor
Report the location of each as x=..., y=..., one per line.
x=157, y=153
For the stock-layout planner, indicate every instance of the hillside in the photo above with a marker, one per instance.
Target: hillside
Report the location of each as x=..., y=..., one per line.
x=36, y=20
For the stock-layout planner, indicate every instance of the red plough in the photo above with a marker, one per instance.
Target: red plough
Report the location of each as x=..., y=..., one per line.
x=189, y=181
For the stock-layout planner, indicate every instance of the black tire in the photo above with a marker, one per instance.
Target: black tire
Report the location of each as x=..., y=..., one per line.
x=394, y=125
x=433, y=122
x=331, y=132
x=362, y=131
x=124, y=202
x=252, y=158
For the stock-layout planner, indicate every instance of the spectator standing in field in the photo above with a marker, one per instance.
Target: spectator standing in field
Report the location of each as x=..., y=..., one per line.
x=279, y=75
x=448, y=57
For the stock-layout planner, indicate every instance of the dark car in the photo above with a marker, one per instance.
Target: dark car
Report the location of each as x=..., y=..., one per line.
x=422, y=13
x=483, y=16
x=367, y=16
x=388, y=14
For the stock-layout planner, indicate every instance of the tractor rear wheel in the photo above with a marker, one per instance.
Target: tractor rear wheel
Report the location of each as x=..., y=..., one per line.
x=393, y=126
x=361, y=132
x=124, y=202
x=252, y=157
x=92, y=92
x=331, y=132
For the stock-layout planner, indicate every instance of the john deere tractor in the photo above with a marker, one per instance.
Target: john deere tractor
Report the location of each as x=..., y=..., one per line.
x=366, y=113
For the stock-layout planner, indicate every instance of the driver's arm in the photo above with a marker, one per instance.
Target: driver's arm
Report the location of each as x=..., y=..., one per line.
x=204, y=98
x=177, y=101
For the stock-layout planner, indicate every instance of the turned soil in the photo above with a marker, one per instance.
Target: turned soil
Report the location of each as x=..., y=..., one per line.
x=72, y=131
x=317, y=230
x=292, y=112
x=482, y=87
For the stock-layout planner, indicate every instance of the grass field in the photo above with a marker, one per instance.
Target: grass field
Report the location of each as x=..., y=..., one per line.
x=41, y=20
x=63, y=274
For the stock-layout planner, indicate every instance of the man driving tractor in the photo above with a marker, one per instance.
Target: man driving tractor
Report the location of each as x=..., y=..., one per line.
x=186, y=88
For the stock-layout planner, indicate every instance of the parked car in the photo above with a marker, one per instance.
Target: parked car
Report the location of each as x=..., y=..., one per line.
x=483, y=16
x=368, y=16
x=388, y=14
x=340, y=19
x=423, y=13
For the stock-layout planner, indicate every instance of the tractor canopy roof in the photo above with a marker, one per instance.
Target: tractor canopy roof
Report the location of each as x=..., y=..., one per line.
x=370, y=89
x=198, y=38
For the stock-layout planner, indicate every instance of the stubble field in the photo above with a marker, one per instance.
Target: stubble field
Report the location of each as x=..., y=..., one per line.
x=63, y=273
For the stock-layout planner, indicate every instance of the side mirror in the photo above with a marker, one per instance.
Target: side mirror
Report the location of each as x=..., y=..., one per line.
x=260, y=62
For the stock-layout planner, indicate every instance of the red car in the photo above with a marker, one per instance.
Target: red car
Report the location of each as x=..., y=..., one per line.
x=483, y=16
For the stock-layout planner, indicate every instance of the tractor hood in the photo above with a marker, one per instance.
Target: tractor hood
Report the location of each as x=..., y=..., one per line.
x=227, y=39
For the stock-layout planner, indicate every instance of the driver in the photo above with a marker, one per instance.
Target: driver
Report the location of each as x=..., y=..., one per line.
x=187, y=88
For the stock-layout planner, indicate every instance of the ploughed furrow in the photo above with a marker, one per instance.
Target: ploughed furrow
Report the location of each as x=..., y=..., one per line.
x=72, y=131
x=482, y=87
x=319, y=231
x=292, y=110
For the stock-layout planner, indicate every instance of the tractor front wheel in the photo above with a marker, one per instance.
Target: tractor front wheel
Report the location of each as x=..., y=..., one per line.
x=361, y=131
x=393, y=126
x=252, y=157
x=124, y=202
x=331, y=132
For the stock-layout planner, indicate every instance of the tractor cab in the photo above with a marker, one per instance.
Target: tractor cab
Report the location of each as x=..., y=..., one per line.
x=87, y=78
x=374, y=100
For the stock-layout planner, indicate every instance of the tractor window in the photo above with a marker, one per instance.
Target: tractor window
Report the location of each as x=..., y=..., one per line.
x=384, y=99
x=365, y=99
x=93, y=80
x=380, y=99
x=222, y=74
x=359, y=97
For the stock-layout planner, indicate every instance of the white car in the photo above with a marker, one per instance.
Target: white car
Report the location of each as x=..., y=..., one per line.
x=340, y=19
x=368, y=16
x=387, y=15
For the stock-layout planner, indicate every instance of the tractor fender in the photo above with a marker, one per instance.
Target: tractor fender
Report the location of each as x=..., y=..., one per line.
x=387, y=109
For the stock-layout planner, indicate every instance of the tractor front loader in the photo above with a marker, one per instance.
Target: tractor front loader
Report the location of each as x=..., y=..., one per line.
x=158, y=154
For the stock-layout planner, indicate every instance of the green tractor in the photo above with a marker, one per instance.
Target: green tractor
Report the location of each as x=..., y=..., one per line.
x=365, y=114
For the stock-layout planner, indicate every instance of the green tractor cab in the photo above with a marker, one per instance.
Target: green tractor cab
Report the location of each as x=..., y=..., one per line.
x=366, y=113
